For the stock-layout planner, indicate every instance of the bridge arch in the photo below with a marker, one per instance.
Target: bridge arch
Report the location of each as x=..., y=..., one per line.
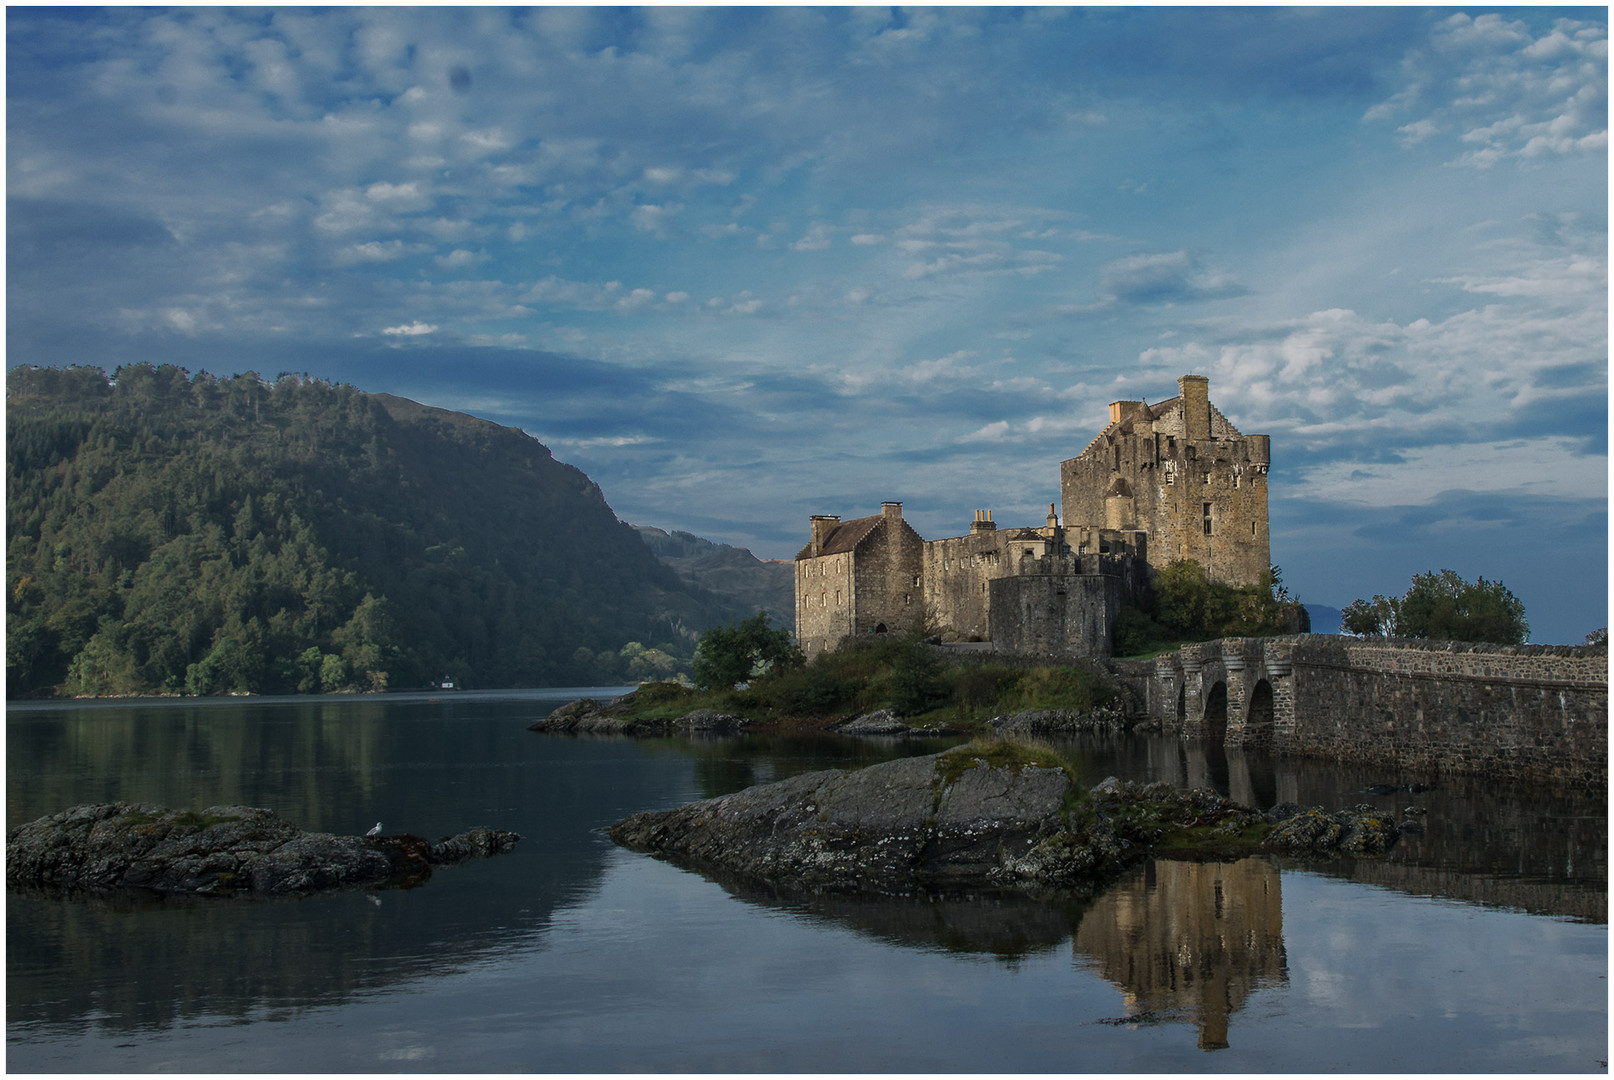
x=1258, y=719
x=1216, y=713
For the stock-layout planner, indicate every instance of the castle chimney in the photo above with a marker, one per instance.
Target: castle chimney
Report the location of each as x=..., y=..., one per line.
x=891, y=511
x=1195, y=391
x=1120, y=410
x=983, y=522
x=823, y=525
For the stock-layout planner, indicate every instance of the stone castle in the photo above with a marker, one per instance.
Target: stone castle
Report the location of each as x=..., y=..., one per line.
x=1159, y=484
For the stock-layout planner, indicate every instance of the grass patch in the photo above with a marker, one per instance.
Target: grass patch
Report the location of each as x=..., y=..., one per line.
x=1212, y=842
x=186, y=818
x=997, y=752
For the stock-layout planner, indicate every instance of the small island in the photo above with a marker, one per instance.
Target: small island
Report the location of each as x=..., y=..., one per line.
x=221, y=851
x=991, y=813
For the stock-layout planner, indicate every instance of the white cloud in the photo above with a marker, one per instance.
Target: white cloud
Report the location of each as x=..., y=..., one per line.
x=1504, y=92
x=997, y=431
x=1549, y=467
x=652, y=218
x=460, y=257
x=816, y=239
x=414, y=329
x=377, y=251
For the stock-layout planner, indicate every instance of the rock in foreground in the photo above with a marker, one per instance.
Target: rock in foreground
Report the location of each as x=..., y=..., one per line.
x=971, y=817
x=222, y=850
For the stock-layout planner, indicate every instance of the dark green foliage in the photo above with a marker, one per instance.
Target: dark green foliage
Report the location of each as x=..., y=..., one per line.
x=732, y=654
x=170, y=534
x=1185, y=605
x=905, y=675
x=917, y=685
x=1444, y=607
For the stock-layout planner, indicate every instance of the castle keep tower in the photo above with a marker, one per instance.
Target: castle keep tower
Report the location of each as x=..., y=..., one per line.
x=1181, y=473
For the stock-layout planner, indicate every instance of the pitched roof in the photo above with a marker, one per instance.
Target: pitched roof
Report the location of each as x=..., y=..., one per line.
x=845, y=537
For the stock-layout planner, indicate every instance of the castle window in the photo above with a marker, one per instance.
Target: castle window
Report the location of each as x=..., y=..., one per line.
x=916, y=581
x=1207, y=478
x=1252, y=528
x=1207, y=519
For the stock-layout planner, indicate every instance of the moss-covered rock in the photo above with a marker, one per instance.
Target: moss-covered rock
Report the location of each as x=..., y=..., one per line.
x=995, y=812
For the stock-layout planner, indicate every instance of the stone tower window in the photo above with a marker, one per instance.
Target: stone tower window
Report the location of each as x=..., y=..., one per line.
x=1207, y=519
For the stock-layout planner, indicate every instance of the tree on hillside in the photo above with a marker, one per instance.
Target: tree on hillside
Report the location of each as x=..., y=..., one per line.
x=1444, y=607
x=738, y=652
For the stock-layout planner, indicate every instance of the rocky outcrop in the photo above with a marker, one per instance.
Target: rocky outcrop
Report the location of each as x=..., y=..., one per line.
x=884, y=723
x=588, y=716
x=973, y=816
x=1060, y=721
x=1309, y=830
x=222, y=850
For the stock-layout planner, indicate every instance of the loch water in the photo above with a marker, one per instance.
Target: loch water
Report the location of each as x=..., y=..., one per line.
x=1480, y=945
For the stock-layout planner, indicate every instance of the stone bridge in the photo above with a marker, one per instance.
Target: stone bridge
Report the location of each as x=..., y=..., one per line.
x=1537, y=712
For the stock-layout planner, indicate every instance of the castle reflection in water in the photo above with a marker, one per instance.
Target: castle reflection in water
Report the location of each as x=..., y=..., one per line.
x=1189, y=938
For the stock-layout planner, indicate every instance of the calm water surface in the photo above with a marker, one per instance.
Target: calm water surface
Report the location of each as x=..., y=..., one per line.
x=1479, y=946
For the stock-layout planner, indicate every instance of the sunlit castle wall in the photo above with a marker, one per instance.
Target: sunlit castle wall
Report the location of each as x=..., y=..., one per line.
x=1182, y=473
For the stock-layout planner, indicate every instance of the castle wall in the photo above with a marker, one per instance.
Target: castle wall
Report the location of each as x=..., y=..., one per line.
x=825, y=601
x=889, y=578
x=1057, y=612
x=1186, y=477
x=958, y=573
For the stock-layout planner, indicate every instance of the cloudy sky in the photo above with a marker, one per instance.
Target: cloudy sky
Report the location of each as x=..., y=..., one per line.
x=746, y=265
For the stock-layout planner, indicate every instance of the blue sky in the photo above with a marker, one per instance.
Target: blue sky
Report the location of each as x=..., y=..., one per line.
x=745, y=265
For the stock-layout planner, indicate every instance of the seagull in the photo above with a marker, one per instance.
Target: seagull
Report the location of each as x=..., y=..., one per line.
x=375, y=830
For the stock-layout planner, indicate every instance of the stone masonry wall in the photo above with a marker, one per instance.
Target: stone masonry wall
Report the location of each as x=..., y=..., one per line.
x=1527, y=712
x=1530, y=712
x=1055, y=614
x=824, y=602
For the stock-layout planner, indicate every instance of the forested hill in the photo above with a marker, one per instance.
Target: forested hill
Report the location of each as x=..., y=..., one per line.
x=170, y=534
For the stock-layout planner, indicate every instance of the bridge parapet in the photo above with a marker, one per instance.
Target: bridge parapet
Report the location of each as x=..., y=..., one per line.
x=1530, y=712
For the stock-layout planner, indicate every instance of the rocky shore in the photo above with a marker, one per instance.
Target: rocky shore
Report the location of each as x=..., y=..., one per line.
x=976, y=816
x=222, y=851
x=615, y=717
x=589, y=716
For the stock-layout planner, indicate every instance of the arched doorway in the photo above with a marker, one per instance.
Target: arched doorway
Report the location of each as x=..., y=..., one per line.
x=1216, y=714
x=1258, y=725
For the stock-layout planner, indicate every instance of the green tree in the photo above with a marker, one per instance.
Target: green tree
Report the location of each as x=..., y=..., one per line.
x=1445, y=607
x=736, y=653
x=1184, y=604
x=917, y=685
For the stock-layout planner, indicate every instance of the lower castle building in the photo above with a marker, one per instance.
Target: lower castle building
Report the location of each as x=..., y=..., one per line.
x=1160, y=483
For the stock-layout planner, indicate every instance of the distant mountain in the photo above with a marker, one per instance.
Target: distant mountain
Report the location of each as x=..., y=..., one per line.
x=170, y=534
x=749, y=584
x=1324, y=620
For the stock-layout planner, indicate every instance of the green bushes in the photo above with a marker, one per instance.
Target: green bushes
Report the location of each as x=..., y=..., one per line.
x=1185, y=605
x=902, y=674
